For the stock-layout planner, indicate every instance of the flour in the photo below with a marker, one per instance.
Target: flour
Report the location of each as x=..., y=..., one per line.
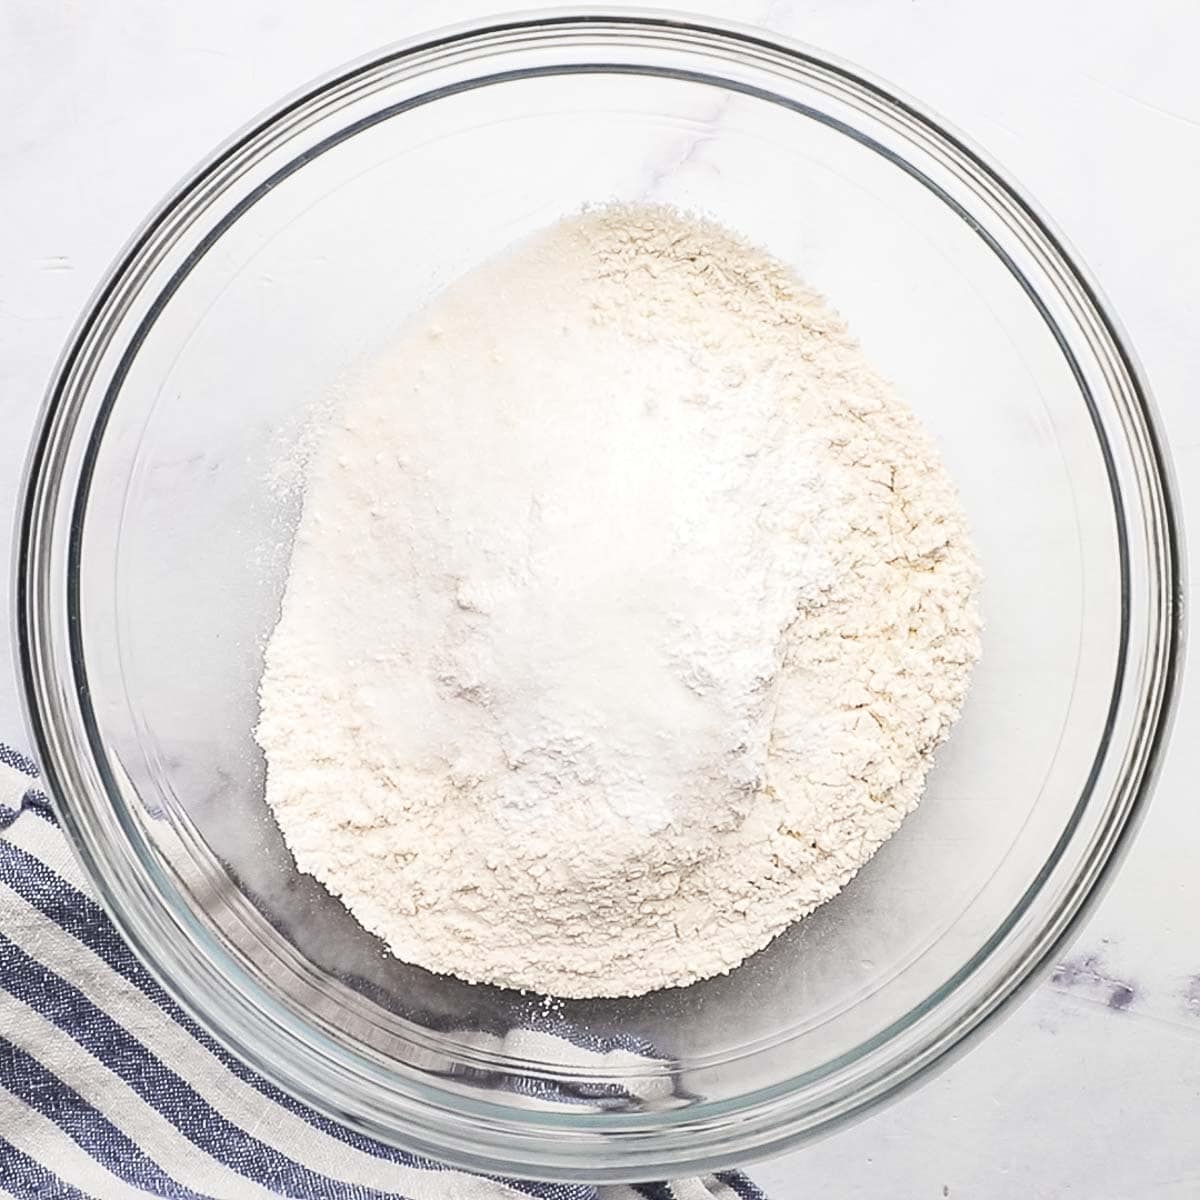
x=626, y=608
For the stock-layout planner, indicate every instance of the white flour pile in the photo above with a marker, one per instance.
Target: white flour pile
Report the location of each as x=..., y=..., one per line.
x=625, y=612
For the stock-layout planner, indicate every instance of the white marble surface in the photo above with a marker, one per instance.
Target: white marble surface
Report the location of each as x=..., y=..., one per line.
x=1092, y=1087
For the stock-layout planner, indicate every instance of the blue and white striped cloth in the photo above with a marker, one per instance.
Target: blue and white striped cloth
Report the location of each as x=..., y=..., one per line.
x=109, y=1091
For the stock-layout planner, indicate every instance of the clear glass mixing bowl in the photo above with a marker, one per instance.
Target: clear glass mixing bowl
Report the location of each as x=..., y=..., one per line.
x=154, y=540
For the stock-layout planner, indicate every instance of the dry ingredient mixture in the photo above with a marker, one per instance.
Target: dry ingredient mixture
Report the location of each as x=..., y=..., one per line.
x=626, y=609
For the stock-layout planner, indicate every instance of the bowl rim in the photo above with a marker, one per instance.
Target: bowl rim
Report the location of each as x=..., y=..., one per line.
x=771, y=1127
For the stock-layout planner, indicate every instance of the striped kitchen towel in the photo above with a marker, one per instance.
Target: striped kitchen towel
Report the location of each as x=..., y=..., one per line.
x=108, y=1090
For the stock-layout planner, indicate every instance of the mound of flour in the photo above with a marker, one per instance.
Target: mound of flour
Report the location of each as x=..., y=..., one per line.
x=626, y=609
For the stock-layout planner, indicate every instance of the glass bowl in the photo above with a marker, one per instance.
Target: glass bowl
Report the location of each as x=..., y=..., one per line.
x=155, y=533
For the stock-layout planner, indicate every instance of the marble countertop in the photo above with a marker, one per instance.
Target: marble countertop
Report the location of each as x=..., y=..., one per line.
x=1091, y=1088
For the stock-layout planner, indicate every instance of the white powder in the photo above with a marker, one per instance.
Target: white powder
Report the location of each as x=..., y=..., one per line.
x=626, y=609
